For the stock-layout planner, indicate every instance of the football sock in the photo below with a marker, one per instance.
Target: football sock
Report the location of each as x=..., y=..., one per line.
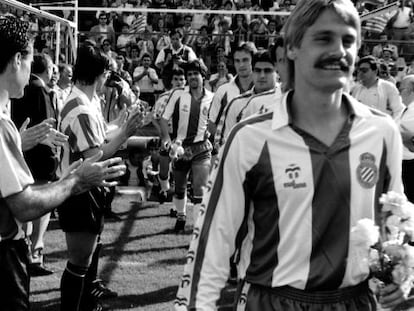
x=71, y=287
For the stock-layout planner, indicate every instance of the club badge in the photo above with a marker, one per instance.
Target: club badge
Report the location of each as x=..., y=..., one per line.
x=367, y=172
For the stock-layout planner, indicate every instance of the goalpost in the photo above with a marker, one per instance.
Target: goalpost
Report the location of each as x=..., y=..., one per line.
x=58, y=21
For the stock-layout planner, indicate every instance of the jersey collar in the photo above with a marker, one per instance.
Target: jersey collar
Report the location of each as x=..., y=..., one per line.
x=281, y=116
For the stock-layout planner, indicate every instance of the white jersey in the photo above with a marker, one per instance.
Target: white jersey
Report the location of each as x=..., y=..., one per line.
x=262, y=103
x=286, y=202
x=224, y=95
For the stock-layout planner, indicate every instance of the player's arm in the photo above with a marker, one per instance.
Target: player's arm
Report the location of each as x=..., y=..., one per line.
x=35, y=201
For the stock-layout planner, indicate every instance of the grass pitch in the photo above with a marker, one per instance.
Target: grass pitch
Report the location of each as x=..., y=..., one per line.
x=142, y=258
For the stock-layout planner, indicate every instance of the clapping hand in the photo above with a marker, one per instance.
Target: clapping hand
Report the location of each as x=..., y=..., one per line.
x=92, y=173
x=54, y=139
x=135, y=121
x=35, y=134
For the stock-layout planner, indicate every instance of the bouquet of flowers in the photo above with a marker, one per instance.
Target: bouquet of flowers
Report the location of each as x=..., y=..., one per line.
x=388, y=250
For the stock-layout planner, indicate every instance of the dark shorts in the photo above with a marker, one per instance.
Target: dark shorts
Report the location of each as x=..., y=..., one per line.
x=14, y=278
x=286, y=298
x=83, y=213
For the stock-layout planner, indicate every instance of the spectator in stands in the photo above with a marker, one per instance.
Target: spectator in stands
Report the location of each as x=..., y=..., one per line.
x=384, y=43
x=224, y=37
x=120, y=64
x=240, y=29
x=163, y=39
x=135, y=60
x=146, y=77
x=64, y=83
x=107, y=49
x=145, y=45
x=218, y=57
x=384, y=72
x=189, y=33
x=199, y=19
x=401, y=20
x=102, y=31
x=221, y=77
x=202, y=46
x=256, y=34
x=173, y=57
x=375, y=92
x=271, y=32
x=124, y=38
x=387, y=57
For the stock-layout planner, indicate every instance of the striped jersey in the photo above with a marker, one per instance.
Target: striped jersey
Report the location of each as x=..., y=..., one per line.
x=82, y=121
x=235, y=110
x=189, y=116
x=287, y=203
x=262, y=103
x=224, y=94
x=15, y=177
x=160, y=104
x=230, y=117
x=159, y=108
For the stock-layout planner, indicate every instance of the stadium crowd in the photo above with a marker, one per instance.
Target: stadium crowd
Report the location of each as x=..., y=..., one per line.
x=184, y=80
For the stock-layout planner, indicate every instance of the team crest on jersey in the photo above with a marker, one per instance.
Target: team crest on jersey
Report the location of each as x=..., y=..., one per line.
x=367, y=171
x=293, y=173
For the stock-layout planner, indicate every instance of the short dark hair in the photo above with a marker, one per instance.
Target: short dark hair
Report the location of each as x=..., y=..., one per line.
x=178, y=72
x=62, y=67
x=245, y=47
x=40, y=63
x=370, y=60
x=14, y=38
x=196, y=65
x=90, y=64
x=102, y=14
x=146, y=55
x=263, y=56
x=176, y=31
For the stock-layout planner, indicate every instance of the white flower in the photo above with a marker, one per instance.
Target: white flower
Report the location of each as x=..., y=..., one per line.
x=393, y=201
x=404, y=210
x=365, y=233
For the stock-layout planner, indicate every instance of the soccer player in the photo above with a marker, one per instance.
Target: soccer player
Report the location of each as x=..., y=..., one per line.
x=243, y=82
x=21, y=200
x=188, y=108
x=177, y=81
x=290, y=183
x=82, y=217
x=264, y=79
